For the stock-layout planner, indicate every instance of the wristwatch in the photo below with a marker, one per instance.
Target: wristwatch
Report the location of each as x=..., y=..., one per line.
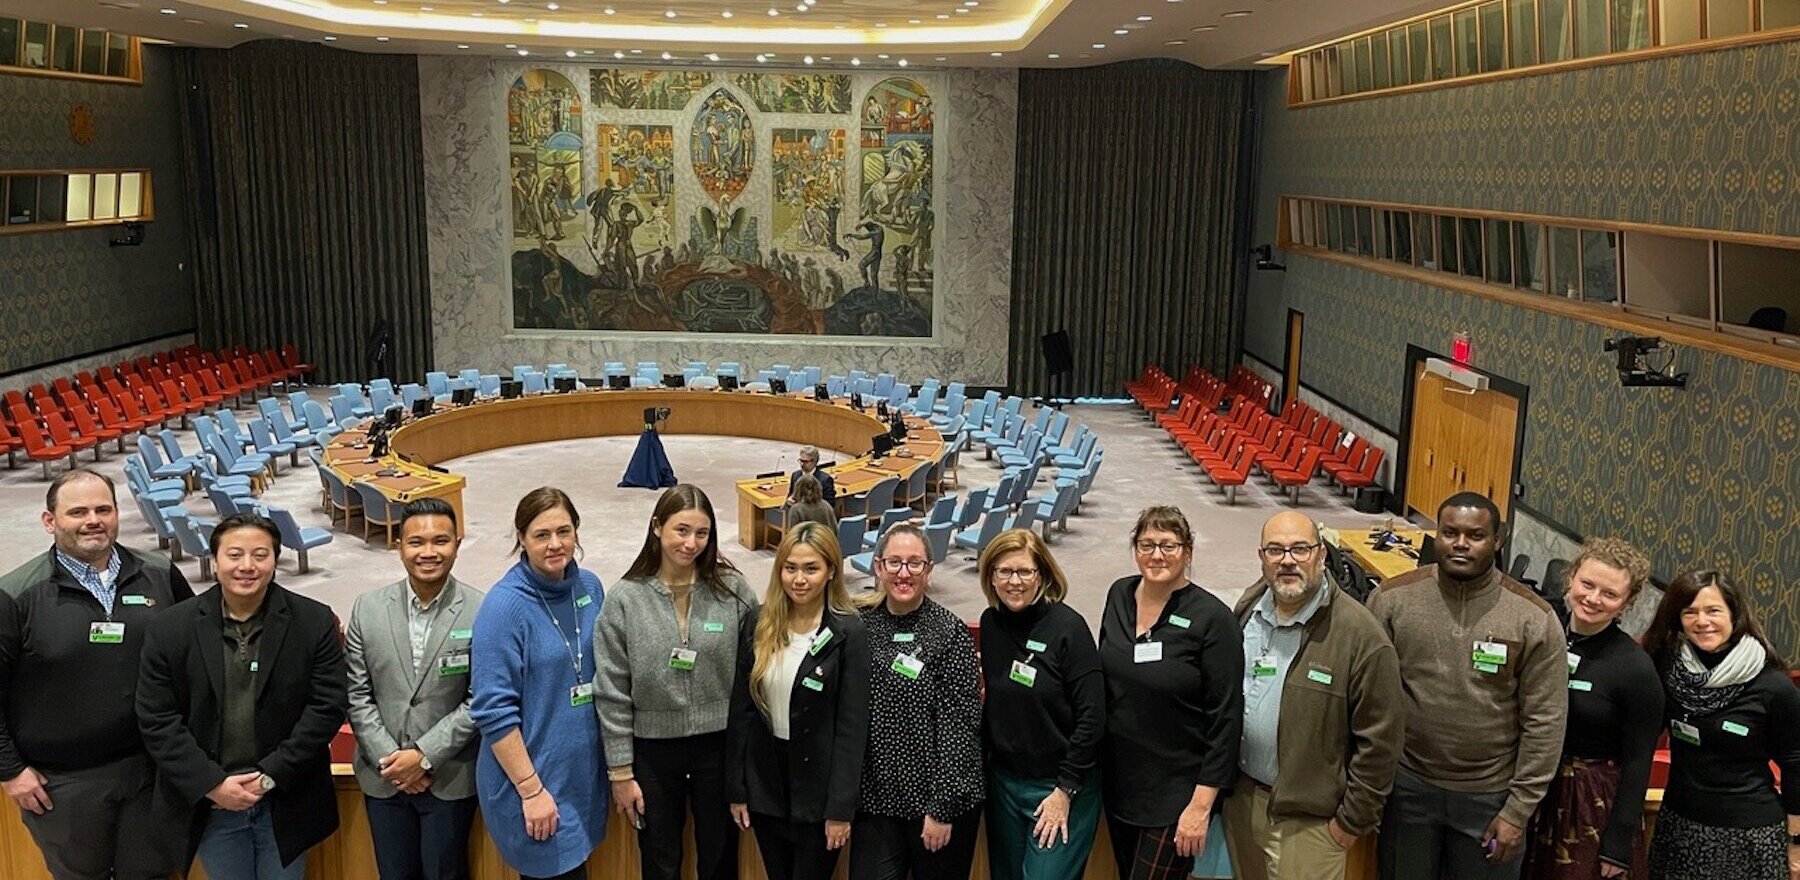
x=1070, y=790
x=424, y=762
x=267, y=782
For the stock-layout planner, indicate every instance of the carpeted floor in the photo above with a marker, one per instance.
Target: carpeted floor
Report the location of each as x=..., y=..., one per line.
x=1142, y=468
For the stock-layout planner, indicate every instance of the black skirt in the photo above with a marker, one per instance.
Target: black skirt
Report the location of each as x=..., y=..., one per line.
x=1682, y=849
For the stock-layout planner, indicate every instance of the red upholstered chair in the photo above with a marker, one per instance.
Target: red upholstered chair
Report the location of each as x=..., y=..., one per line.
x=38, y=448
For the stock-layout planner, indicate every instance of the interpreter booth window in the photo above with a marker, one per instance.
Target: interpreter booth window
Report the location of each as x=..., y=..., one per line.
x=1759, y=289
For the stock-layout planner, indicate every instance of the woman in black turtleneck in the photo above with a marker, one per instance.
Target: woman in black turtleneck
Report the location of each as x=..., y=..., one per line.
x=1588, y=825
x=1731, y=711
x=1043, y=718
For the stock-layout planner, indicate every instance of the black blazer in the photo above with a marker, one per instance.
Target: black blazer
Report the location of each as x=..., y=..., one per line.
x=817, y=773
x=300, y=704
x=827, y=485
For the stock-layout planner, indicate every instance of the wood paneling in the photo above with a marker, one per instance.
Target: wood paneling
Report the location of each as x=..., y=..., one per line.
x=1461, y=440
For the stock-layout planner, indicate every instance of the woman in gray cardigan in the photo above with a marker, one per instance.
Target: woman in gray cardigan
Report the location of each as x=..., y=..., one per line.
x=666, y=652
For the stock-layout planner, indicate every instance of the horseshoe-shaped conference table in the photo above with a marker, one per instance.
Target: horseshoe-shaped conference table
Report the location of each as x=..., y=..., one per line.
x=410, y=471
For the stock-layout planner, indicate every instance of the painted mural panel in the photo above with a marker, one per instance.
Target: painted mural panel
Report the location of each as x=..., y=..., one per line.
x=706, y=217
x=635, y=203
x=647, y=89
x=543, y=124
x=796, y=92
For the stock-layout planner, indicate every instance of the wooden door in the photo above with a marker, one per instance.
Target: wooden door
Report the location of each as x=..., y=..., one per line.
x=1290, y=367
x=1461, y=440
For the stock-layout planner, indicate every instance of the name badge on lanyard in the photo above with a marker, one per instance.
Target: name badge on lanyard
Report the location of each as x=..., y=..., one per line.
x=581, y=694
x=908, y=665
x=454, y=664
x=105, y=633
x=1146, y=652
x=683, y=659
x=1685, y=732
x=1023, y=674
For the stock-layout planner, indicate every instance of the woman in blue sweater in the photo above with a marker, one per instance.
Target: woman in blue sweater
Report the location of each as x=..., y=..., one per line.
x=543, y=794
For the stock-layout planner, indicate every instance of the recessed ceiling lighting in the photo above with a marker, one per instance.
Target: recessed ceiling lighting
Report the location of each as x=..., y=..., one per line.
x=971, y=3
x=761, y=58
x=1204, y=28
x=570, y=53
x=913, y=21
x=618, y=54
x=712, y=56
x=381, y=39
x=239, y=25
x=940, y=58
x=807, y=59
x=725, y=14
x=609, y=10
x=668, y=13
x=330, y=39
x=800, y=8
x=462, y=45
x=962, y=10
x=903, y=62
x=1120, y=32
x=824, y=57
x=773, y=12
x=524, y=52
x=476, y=14
x=552, y=7
x=883, y=56
x=512, y=45
x=587, y=51
x=1240, y=13
x=881, y=24
x=942, y=16
x=637, y=51
x=504, y=2
x=1054, y=56
x=1174, y=42
x=1099, y=45
x=166, y=11
x=995, y=54
x=856, y=62
x=1143, y=18
x=380, y=2
x=666, y=56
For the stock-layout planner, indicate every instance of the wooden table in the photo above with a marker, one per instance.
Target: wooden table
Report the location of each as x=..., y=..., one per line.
x=1383, y=564
x=449, y=433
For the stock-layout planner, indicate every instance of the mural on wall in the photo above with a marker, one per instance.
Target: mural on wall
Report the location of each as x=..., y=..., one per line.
x=704, y=217
x=647, y=89
x=796, y=93
x=543, y=126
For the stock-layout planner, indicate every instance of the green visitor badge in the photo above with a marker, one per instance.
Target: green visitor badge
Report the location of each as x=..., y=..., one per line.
x=461, y=633
x=683, y=658
x=812, y=684
x=454, y=664
x=908, y=665
x=1574, y=662
x=905, y=637
x=100, y=633
x=1262, y=667
x=584, y=601
x=1685, y=732
x=1735, y=728
x=135, y=600
x=819, y=641
x=1023, y=674
x=1318, y=675
x=581, y=694
x=1035, y=645
x=1576, y=684
x=713, y=627
x=1487, y=668
x=1491, y=653
x=1180, y=621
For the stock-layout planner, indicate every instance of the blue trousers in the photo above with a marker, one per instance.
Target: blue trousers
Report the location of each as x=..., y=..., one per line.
x=242, y=846
x=421, y=836
x=1013, y=854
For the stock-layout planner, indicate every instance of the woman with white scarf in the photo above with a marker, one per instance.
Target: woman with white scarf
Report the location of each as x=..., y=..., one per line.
x=1731, y=710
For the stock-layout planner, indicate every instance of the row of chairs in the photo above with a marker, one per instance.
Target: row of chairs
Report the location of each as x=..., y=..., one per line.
x=83, y=412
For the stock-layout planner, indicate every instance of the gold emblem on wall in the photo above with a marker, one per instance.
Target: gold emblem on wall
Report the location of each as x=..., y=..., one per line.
x=81, y=124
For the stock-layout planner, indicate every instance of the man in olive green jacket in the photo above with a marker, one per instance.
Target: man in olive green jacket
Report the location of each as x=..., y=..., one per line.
x=1322, y=716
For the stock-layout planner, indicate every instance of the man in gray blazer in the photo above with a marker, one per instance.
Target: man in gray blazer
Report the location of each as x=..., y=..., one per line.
x=408, y=651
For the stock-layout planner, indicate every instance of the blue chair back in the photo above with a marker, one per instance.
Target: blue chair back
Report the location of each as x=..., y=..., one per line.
x=728, y=368
x=490, y=386
x=943, y=511
x=893, y=515
x=297, y=405
x=315, y=417
x=410, y=392
x=472, y=376
x=439, y=383
x=811, y=374
x=382, y=384
x=519, y=371
x=534, y=382
x=884, y=384
x=836, y=386
x=992, y=524
x=937, y=540
x=850, y=532
x=973, y=507
x=381, y=398
x=881, y=496
x=341, y=411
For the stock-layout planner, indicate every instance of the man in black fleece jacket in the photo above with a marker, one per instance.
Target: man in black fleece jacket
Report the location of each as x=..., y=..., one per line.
x=72, y=624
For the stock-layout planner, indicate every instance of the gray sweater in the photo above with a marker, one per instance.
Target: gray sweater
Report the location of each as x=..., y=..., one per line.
x=638, y=692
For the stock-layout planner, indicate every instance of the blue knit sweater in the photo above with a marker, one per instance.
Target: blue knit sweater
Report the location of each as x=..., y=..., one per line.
x=522, y=672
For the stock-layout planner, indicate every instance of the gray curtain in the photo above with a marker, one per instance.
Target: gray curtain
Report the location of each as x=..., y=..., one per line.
x=305, y=190
x=1131, y=221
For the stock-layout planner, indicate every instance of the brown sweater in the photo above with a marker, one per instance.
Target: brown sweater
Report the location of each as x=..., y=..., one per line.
x=1467, y=729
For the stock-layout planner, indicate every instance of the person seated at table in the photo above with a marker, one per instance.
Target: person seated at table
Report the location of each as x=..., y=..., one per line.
x=808, y=504
x=809, y=466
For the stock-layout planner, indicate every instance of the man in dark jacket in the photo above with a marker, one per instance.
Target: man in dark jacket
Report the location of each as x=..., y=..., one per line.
x=1321, y=706
x=72, y=624
x=239, y=694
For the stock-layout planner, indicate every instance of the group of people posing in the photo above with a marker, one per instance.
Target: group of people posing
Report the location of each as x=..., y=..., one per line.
x=1456, y=714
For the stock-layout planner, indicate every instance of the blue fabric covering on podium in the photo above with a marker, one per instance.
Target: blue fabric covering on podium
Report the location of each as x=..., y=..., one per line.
x=649, y=468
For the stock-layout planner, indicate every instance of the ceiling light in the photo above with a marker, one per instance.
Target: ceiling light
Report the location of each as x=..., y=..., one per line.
x=942, y=16
x=881, y=24
x=462, y=45
x=381, y=39
x=1143, y=18
x=380, y=2
x=587, y=51
x=666, y=56
x=637, y=51
x=1099, y=45
x=618, y=54
x=913, y=21
x=1054, y=56
x=856, y=62
x=725, y=14
x=330, y=39
x=761, y=58
x=669, y=13
x=523, y=53
x=1120, y=32
x=570, y=53
x=712, y=56
x=807, y=59
x=552, y=7
x=476, y=14
x=773, y=12
x=1236, y=14
x=903, y=62
x=940, y=58
x=994, y=54
x=800, y=8
x=512, y=45
x=504, y=2
x=1204, y=28
x=167, y=11
x=239, y=25
x=1174, y=42
x=883, y=56
x=971, y=3
x=962, y=10
x=609, y=10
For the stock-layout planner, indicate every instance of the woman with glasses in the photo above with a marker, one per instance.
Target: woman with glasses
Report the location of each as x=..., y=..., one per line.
x=666, y=648
x=800, y=711
x=1731, y=711
x=1044, y=714
x=921, y=784
x=1173, y=659
x=543, y=798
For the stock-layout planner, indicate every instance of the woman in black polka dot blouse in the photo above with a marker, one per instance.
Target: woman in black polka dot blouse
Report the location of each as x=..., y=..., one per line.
x=922, y=784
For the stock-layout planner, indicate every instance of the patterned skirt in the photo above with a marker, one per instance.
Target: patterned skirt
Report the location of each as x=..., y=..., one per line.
x=1683, y=849
x=1565, y=832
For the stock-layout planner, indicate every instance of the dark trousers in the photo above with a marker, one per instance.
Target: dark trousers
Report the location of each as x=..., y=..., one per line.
x=102, y=826
x=886, y=848
x=793, y=850
x=421, y=836
x=579, y=872
x=1143, y=853
x=677, y=775
x=1429, y=833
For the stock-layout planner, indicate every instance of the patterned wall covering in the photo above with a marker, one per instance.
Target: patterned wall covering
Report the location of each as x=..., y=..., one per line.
x=1709, y=476
x=68, y=293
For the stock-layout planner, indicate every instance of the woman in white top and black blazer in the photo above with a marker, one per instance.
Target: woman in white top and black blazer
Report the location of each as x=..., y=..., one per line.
x=799, y=711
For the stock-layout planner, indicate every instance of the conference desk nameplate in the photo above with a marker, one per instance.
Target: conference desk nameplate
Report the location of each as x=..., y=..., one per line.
x=450, y=433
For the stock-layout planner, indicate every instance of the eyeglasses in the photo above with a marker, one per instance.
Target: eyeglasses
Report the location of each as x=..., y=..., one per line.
x=1300, y=552
x=895, y=566
x=1015, y=574
x=1147, y=548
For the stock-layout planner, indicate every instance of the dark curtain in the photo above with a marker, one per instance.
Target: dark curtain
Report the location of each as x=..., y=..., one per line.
x=1131, y=221
x=305, y=188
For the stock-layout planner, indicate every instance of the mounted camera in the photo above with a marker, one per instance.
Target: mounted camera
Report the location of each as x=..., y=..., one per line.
x=1635, y=370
